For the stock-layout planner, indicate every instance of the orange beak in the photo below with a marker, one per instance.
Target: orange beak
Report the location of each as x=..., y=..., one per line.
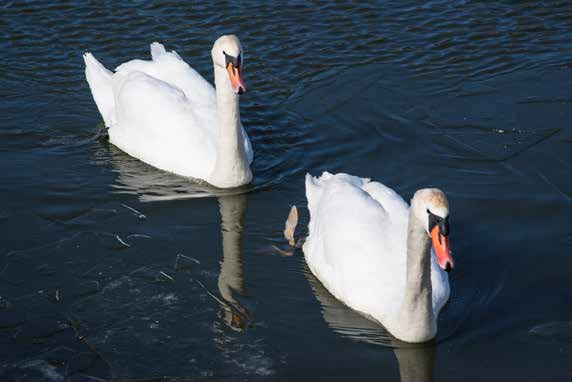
x=235, y=75
x=441, y=245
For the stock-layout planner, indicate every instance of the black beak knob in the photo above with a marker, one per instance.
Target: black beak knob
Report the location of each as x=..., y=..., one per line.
x=240, y=90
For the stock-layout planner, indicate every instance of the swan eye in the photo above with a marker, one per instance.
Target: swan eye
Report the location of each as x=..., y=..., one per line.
x=235, y=61
x=435, y=220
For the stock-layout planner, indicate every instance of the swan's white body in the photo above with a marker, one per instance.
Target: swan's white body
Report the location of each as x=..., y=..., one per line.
x=357, y=248
x=165, y=113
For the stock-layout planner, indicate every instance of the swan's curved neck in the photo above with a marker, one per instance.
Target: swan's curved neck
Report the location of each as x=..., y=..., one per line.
x=231, y=167
x=416, y=318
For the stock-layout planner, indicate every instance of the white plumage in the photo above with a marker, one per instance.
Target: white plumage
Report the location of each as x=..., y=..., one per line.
x=357, y=246
x=162, y=112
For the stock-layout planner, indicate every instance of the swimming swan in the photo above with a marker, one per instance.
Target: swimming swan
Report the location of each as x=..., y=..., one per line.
x=373, y=252
x=166, y=114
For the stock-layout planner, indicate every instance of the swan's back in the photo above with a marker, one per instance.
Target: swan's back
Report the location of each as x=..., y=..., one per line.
x=349, y=247
x=170, y=68
x=156, y=125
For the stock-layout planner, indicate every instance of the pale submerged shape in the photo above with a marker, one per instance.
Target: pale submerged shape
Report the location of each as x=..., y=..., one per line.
x=164, y=113
x=357, y=248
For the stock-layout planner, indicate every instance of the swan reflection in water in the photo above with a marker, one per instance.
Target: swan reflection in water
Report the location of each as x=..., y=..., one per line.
x=230, y=279
x=415, y=360
x=152, y=185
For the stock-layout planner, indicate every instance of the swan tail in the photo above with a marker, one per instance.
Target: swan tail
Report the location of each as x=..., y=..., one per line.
x=158, y=50
x=99, y=80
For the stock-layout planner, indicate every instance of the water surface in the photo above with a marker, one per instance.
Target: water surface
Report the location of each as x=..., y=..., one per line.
x=110, y=269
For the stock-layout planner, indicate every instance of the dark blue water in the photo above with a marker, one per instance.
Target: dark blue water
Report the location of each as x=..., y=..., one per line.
x=112, y=270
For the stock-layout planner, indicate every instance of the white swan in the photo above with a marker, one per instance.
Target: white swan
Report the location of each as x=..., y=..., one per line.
x=164, y=113
x=373, y=252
